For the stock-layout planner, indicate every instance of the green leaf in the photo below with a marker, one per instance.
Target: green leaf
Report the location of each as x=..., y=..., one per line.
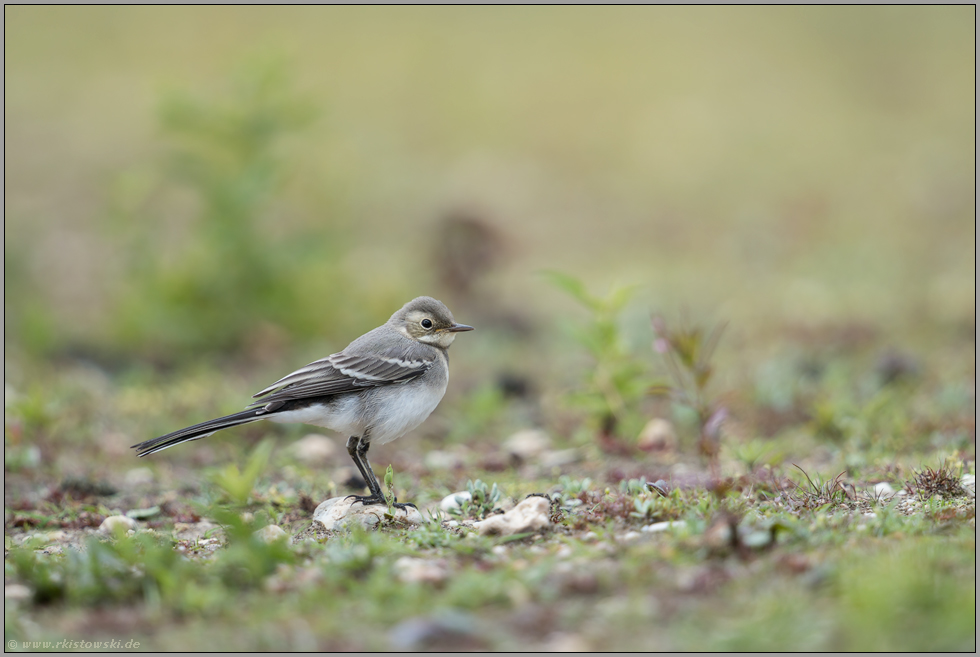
x=574, y=287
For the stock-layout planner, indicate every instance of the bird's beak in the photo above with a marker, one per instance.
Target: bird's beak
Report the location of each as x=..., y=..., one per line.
x=459, y=328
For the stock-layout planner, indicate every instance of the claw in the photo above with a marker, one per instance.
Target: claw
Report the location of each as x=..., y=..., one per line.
x=368, y=500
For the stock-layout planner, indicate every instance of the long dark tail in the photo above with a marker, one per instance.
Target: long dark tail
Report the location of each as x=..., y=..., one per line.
x=198, y=431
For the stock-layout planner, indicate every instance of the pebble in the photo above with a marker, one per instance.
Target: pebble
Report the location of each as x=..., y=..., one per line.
x=270, y=533
x=565, y=642
x=969, y=484
x=663, y=526
x=191, y=531
x=112, y=524
x=657, y=435
x=555, y=459
x=51, y=537
x=411, y=570
x=884, y=489
x=454, y=501
x=530, y=515
x=16, y=592
x=314, y=448
x=442, y=632
x=338, y=512
x=527, y=444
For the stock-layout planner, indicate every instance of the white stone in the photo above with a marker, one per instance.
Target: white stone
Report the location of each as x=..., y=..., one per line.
x=270, y=533
x=52, y=536
x=527, y=444
x=314, y=448
x=658, y=434
x=558, y=458
x=884, y=489
x=338, y=512
x=969, y=484
x=16, y=592
x=663, y=526
x=454, y=501
x=190, y=531
x=111, y=524
x=530, y=515
x=413, y=570
x=564, y=642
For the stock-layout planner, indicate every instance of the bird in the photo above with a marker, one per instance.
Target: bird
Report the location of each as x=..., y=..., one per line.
x=381, y=386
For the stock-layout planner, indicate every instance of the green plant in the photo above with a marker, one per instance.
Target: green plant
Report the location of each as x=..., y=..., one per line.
x=236, y=484
x=616, y=384
x=247, y=558
x=634, y=486
x=209, y=286
x=818, y=494
x=756, y=452
x=686, y=350
x=927, y=482
x=482, y=501
x=919, y=595
x=573, y=487
x=390, y=487
x=431, y=534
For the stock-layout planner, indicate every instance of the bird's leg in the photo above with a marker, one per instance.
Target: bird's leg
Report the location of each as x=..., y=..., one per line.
x=357, y=447
x=366, y=473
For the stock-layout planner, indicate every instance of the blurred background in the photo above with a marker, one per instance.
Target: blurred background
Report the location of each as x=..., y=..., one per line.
x=255, y=186
x=730, y=250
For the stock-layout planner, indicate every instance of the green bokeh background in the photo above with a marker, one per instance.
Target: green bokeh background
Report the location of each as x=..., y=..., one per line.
x=797, y=165
x=200, y=199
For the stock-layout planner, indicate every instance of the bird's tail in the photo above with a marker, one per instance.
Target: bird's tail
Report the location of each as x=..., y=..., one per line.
x=198, y=431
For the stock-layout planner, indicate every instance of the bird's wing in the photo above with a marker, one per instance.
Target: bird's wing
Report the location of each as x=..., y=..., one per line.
x=340, y=373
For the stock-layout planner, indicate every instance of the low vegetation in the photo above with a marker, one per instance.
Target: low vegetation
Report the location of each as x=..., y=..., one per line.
x=762, y=438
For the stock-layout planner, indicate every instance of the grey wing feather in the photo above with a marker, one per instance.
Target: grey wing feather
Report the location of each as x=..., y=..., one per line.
x=340, y=373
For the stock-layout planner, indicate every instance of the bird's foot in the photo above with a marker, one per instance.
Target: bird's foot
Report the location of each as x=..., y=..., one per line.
x=368, y=500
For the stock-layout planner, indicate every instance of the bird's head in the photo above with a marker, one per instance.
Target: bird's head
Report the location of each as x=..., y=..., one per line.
x=427, y=320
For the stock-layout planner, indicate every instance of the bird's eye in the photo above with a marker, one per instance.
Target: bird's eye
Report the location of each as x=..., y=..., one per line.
x=427, y=323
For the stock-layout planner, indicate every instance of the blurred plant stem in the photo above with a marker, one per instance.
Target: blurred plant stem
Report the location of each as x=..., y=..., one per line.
x=686, y=351
x=207, y=269
x=616, y=384
x=227, y=275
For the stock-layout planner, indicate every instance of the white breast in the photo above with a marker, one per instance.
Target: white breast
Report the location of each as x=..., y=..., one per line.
x=399, y=409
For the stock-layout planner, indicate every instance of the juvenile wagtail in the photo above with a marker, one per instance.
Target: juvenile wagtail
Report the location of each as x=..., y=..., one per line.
x=383, y=385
